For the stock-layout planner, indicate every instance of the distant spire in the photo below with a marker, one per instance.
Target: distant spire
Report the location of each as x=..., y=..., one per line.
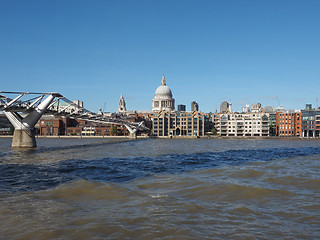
x=122, y=105
x=163, y=82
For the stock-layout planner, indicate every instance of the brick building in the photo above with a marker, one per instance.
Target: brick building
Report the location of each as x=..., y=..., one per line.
x=50, y=125
x=288, y=124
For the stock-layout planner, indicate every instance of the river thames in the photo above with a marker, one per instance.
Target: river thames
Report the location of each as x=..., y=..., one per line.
x=160, y=189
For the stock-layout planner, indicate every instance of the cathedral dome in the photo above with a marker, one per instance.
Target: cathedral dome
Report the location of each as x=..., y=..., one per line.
x=163, y=99
x=163, y=91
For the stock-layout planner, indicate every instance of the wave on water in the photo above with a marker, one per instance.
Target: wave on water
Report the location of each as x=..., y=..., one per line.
x=33, y=177
x=44, y=149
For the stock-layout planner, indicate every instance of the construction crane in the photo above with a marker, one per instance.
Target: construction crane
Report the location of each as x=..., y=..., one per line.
x=278, y=101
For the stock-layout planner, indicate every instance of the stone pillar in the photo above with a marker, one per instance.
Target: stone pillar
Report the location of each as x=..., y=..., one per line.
x=24, y=139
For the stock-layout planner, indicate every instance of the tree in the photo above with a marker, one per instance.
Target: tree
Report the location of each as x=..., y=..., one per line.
x=11, y=131
x=114, y=131
x=213, y=131
x=272, y=130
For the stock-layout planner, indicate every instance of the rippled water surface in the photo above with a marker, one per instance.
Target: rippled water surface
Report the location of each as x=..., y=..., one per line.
x=160, y=189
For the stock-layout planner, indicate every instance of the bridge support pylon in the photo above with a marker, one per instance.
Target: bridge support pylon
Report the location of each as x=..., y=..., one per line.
x=133, y=132
x=24, y=133
x=132, y=135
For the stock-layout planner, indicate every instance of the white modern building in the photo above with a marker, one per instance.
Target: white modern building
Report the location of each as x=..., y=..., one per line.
x=243, y=124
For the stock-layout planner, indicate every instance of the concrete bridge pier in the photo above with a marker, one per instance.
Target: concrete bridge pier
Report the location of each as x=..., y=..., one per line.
x=23, y=139
x=24, y=133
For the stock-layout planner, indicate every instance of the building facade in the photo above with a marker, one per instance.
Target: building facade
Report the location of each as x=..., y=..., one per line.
x=166, y=124
x=243, y=124
x=272, y=124
x=288, y=124
x=310, y=124
x=52, y=126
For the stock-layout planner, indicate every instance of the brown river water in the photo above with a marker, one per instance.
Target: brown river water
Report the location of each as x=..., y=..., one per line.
x=160, y=189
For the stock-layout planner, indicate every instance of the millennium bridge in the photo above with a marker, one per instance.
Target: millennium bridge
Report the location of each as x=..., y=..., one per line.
x=24, y=109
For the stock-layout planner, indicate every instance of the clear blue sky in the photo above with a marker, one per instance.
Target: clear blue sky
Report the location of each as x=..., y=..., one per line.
x=243, y=51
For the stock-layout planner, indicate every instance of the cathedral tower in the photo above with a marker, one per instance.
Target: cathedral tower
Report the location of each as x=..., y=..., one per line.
x=122, y=105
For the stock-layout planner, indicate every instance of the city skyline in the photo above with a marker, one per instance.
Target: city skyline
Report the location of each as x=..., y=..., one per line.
x=210, y=51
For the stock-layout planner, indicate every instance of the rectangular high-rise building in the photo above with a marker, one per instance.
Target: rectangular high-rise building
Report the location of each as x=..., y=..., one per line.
x=225, y=107
x=181, y=107
x=194, y=106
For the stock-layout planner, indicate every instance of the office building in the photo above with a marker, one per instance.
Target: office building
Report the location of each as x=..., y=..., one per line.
x=310, y=123
x=194, y=106
x=166, y=124
x=225, y=107
x=181, y=107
